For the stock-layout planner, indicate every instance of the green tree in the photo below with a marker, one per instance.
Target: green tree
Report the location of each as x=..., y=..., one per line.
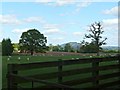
x=0, y=49
x=16, y=47
x=96, y=36
x=68, y=47
x=55, y=48
x=88, y=48
x=32, y=41
x=60, y=48
x=50, y=47
x=7, y=48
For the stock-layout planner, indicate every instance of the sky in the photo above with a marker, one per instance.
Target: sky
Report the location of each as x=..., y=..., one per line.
x=61, y=21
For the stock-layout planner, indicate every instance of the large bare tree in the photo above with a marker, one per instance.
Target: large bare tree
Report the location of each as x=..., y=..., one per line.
x=96, y=31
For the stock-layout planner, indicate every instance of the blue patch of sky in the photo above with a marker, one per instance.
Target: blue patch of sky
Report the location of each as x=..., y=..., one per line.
x=52, y=14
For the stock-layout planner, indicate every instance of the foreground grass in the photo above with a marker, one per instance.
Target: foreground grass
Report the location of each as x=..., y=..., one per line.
x=0, y=71
x=30, y=59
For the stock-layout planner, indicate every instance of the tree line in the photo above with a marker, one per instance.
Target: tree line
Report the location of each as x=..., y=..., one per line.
x=33, y=41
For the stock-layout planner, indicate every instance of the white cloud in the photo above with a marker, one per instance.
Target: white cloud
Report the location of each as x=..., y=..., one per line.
x=57, y=40
x=52, y=29
x=82, y=5
x=43, y=1
x=78, y=3
x=110, y=23
x=56, y=2
x=78, y=36
x=64, y=2
x=78, y=6
x=34, y=19
x=1, y=33
x=9, y=19
x=112, y=37
x=110, y=26
x=112, y=11
x=77, y=33
x=19, y=31
x=50, y=26
x=13, y=20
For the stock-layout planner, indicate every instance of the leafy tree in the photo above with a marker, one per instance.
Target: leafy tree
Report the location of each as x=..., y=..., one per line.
x=7, y=47
x=68, y=47
x=110, y=51
x=60, y=48
x=88, y=48
x=32, y=41
x=50, y=47
x=16, y=46
x=55, y=48
x=96, y=35
x=0, y=49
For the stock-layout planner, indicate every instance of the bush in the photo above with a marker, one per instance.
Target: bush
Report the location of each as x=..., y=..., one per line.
x=7, y=47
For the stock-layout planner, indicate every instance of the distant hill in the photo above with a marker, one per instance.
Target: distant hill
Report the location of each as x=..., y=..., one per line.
x=74, y=45
x=110, y=47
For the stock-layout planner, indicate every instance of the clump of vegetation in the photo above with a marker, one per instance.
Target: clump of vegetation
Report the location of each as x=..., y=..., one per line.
x=16, y=47
x=7, y=47
x=32, y=41
x=96, y=39
x=110, y=51
x=68, y=48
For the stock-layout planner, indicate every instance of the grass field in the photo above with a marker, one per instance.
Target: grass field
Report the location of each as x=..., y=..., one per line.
x=24, y=59
x=0, y=71
x=30, y=59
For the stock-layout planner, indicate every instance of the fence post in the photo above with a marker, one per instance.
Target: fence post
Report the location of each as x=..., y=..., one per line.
x=95, y=73
x=60, y=72
x=10, y=80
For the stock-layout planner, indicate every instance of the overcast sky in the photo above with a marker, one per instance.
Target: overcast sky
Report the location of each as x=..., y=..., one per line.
x=60, y=21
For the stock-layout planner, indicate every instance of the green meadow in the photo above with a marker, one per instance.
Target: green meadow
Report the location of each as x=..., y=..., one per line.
x=31, y=59
x=24, y=59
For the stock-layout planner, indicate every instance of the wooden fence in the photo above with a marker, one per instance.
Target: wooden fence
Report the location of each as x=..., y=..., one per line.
x=14, y=79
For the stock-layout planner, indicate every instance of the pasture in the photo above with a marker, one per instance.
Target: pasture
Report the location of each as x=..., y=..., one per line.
x=43, y=58
x=30, y=59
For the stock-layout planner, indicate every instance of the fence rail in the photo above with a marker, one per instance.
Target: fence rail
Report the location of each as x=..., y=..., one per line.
x=14, y=78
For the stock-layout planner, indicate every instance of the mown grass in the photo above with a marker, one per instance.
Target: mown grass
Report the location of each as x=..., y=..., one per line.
x=24, y=59
x=0, y=71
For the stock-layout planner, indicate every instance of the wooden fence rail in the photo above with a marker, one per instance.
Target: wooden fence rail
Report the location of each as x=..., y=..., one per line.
x=14, y=78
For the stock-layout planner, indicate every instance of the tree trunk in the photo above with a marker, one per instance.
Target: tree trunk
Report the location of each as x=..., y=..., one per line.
x=31, y=52
x=98, y=54
x=97, y=44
